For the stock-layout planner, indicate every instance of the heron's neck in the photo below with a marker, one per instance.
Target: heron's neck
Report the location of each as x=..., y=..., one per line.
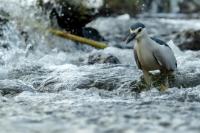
x=143, y=37
x=144, y=41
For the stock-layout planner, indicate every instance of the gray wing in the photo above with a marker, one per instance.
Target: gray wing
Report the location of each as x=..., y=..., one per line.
x=137, y=60
x=160, y=42
x=165, y=57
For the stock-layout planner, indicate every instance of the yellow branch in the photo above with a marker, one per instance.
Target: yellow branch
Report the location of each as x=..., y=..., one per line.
x=76, y=38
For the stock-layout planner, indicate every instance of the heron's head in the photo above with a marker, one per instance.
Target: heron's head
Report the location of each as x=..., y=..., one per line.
x=135, y=31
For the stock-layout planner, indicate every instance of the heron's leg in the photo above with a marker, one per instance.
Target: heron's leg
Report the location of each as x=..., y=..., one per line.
x=147, y=78
x=165, y=83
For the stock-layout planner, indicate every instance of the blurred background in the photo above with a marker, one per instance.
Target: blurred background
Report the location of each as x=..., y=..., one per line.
x=79, y=17
x=134, y=7
x=52, y=84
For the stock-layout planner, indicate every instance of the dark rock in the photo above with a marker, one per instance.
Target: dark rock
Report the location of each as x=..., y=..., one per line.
x=188, y=40
x=165, y=124
x=4, y=45
x=3, y=22
x=92, y=33
x=70, y=15
x=25, y=36
x=100, y=58
x=3, y=17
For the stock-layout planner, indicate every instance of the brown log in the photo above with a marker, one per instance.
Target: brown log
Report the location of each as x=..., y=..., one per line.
x=96, y=44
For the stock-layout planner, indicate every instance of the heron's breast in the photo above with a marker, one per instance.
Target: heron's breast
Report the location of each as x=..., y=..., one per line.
x=146, y=58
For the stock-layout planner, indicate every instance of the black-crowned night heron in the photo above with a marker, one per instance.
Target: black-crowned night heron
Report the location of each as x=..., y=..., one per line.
x=151, y=54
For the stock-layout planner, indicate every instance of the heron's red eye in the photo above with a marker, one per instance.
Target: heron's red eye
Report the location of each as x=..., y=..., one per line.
x=139, y=30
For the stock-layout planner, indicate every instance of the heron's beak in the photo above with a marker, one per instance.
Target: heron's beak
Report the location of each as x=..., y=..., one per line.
x=130, y=37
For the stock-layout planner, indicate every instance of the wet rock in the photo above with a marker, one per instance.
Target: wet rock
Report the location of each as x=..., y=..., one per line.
x=182, y=80
x=29, y=73
x=104, y=77
x=188, y=40
x=24, y=78
x=190, y=6
x=179, y=80
x=101, y=58
x=13, y=87
x=121, y=78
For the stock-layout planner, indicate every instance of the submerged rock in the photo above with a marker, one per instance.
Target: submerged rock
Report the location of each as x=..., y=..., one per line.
x=188, y=40
x=178, y=80
x=104, y=76
x=100, y=58
x=13, y=87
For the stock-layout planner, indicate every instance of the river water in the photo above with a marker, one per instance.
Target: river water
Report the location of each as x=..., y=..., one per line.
x=47, y=85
